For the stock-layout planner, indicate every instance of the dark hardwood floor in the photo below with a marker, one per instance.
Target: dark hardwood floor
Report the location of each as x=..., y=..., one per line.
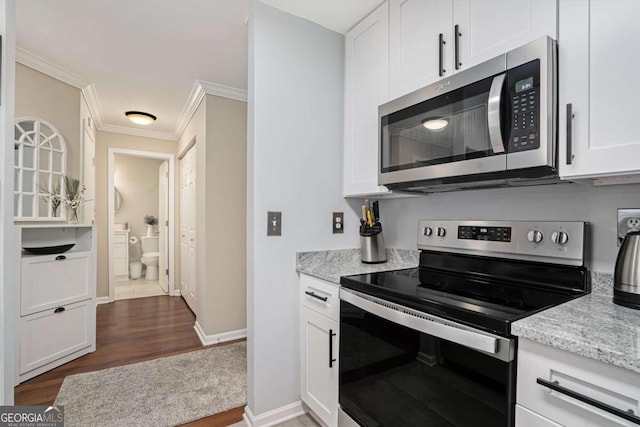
x=129, y=331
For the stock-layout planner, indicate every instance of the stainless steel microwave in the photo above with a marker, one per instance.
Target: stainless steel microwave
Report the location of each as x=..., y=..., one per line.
x=491, y=125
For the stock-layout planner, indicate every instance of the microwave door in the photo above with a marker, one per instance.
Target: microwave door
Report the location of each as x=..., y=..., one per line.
x=455, y=134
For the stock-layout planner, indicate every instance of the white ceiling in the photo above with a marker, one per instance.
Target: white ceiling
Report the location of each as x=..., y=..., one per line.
x=147, y=55
x=140, y=54
x=337, y=15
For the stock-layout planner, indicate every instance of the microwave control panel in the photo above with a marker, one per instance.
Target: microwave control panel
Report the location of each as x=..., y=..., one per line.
x=524, y=93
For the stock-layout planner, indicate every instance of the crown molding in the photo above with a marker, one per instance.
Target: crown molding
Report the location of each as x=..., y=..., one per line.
x=223, y=91
x=47, y=67
x=193, y=101
x=198, y=91
x=91, y=96
x=138, y=132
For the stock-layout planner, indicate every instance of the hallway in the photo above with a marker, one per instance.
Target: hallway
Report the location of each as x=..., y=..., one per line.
x=129, y=331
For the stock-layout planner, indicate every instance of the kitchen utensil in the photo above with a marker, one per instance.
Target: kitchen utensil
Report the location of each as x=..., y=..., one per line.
x=626, y=278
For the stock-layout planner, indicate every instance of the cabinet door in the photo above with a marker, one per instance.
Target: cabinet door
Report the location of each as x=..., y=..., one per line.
x=489, y=28
x=598, y=66
x=415, y=27
x=50, y=335
x=319, y=374
x=527, y=418
x=366, y=87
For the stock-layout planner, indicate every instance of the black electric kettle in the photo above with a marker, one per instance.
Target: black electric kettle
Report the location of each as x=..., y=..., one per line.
x=626, y=277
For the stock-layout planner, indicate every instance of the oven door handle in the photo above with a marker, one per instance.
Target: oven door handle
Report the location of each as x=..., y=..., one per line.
x=424, y=323
x=493, y=114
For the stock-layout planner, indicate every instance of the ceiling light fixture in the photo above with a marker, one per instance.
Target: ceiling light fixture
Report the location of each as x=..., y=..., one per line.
x=435, y=124
x=140, y=117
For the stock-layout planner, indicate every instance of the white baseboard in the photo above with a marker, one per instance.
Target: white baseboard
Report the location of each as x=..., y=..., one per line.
x=176, y=293
x=277, y=416
x=102, y=300
x=218, y=338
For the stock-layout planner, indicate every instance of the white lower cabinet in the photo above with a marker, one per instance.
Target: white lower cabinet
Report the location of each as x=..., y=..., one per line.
x=42, y=341
x=319, y=346
x=56, y=298
x=593, y=382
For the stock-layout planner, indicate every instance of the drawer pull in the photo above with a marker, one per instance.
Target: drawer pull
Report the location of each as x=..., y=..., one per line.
x=555, y=385
x=59, y=310
x=314, y=295
x=61, y=258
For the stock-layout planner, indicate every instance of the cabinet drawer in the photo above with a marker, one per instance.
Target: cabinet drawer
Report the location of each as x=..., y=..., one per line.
x=527, y=418
x=47, y=282
x=320, y=296
x=48, y=336
x=121, y=238
x=600, y=382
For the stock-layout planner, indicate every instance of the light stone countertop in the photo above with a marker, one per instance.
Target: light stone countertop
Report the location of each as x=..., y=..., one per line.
x=331, y=265
x=591, y=326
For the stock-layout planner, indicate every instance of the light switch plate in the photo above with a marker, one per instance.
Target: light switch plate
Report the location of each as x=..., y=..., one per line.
x=274, y=223
x=338, y=222
x=628, y=220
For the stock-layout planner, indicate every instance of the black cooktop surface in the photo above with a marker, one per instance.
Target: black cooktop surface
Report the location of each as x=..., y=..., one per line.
x=485, y=295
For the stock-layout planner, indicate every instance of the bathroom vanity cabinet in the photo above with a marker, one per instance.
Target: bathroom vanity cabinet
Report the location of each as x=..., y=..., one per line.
x=56, y=314
x=121, y=255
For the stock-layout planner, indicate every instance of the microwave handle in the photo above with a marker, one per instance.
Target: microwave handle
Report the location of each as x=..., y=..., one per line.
x=493, y=114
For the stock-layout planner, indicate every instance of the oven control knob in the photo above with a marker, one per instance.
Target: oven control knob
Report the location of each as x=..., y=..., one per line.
x=441, y=231
x=428, y=231
x=560, y=237
x=535, y=236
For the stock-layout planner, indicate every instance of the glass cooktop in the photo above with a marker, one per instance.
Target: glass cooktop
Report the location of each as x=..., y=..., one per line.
x=489, y=297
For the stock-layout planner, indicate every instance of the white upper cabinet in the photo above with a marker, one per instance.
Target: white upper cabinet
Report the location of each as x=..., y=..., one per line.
x=425, y=46
x=598, y=70
x=417, y=29
x=366, y=87
x=489, y=28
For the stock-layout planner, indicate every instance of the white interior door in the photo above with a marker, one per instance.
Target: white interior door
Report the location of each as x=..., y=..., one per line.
x=188, y=286
x=163, y=221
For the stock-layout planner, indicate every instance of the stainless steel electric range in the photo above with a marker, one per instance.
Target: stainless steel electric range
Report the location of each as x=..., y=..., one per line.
x=432, y=346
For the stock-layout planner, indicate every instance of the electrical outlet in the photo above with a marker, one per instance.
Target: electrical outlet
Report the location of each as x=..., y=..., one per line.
x=274, y=223
x=338, y=222
x=628, y=220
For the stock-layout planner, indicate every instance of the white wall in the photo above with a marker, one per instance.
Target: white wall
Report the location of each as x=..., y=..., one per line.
x=137, y=180
x=294, y=165
x=7, y=286
x=576, y=202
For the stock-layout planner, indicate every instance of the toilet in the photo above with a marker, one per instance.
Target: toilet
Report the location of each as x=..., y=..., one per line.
x=150, y=256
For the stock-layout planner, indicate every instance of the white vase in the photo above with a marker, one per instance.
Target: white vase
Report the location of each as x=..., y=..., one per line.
x=149, y=230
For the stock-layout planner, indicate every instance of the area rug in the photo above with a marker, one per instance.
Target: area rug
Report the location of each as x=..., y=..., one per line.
x=163, y=392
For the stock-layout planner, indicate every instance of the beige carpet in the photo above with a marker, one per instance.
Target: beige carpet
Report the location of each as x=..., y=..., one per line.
x=164, y=392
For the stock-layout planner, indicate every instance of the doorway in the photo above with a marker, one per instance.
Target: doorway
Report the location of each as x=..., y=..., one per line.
x=141, y=224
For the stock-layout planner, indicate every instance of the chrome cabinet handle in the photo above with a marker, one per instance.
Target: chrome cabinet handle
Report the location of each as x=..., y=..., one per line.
x=493, y=114
x=314, y=295
x=555, y=386
x=331, y=359
x=457, y=33
x=441, y=43
x=569, y=133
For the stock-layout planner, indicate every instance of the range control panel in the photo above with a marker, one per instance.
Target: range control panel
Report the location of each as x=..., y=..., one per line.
x=493, y=234
x=524, y=91
x=558, y=242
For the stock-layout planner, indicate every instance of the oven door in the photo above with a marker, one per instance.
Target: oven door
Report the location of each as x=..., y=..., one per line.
x=401, y=367
x=451, y=128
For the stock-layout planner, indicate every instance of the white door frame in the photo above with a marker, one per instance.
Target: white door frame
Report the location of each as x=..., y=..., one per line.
x=111, y=213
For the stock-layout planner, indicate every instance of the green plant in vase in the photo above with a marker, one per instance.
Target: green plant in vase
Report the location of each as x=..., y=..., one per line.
x=74, y=197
